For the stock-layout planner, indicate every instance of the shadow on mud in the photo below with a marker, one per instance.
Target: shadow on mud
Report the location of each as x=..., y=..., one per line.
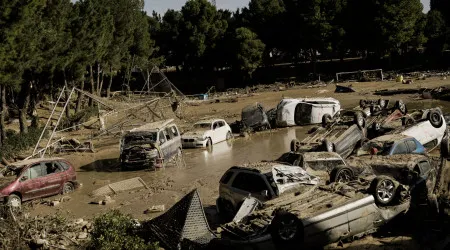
x=105, y=165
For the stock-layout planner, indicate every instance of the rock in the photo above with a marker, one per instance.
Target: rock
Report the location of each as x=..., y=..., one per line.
x=155, y=209
x=54, y=203
x=82, y=235
x=41, y=242
x=107, y=200
x=64, y=199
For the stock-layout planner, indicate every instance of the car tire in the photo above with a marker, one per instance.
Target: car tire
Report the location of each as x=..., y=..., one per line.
x=229, y=136
x=295, y=145
x=326, y=119
x=435, y=118
x=359, y=120
x=286, y=230
x=362, y=103
x=376, y=126
x=384, y=190
x=341, y=175
x=68, y=188
x=382, y=103
x=400, y=105
x=328, y=146
x=14, y=201
x=407, y=121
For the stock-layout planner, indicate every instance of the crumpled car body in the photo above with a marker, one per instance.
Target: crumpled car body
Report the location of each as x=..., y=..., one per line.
x=392, y=144
x=254, y=117
x=206, y=132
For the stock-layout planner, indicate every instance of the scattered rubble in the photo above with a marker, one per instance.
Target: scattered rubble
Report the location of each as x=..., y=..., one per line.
x=155, y=209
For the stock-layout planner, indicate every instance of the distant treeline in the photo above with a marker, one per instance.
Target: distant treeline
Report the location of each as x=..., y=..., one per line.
x=95, y=44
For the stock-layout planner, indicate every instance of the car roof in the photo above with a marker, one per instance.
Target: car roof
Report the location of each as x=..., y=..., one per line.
x=391, y=138
x=21, y=164
x=153, y=126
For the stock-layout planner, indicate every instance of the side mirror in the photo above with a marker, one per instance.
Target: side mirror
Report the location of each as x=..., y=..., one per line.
x=265, y=193
x=23, y=178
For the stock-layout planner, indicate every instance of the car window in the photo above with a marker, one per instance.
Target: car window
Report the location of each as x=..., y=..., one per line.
x=221, y=123
x=226, y=177
x=424, y=167
x=249, y=182
x=169, y=134
x=162, y=138
x=411, y=145
x=51, y=168
x=400, y=148
x=64, y=165
x=216, y=125
x=34, y=171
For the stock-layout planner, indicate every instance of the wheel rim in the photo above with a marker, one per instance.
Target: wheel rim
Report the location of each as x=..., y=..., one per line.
x=15, y=202
x=382, y=103
x=288, y=229
x=435, y=118
x=68, y=188
x=360, y=120
x=385, y=190
x=344, y=176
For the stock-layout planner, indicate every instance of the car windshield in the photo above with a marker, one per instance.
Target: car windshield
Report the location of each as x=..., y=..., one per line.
x=202, y=125
x=324, y=164
x=382, y=148
x=137, y=138
x=288, y=157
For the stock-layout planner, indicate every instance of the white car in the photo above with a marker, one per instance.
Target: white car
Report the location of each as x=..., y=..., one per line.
x=304, y=111
x=206, y=133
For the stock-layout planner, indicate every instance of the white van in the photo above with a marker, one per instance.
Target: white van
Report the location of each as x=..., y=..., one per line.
x=304, y=111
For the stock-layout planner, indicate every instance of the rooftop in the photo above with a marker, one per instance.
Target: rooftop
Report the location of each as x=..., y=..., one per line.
x=23, y=163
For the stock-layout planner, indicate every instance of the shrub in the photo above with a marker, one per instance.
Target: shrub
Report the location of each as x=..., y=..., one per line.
x=16, y=143
x=115, y=231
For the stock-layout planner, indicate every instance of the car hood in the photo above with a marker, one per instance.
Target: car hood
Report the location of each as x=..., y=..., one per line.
x=195, y=133
x=5, y=181
x=139, y=147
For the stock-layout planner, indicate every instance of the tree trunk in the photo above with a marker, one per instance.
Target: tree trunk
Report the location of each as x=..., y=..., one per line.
x=79, y=98
x=91, y=77
x=99, y=91
x=108, y=90
x=2, y=114
x=98, y=79
x=23, y=107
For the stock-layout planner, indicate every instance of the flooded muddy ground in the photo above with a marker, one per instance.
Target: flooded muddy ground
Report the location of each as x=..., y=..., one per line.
x=204, y=168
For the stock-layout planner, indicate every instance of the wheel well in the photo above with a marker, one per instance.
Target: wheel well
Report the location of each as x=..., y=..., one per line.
x=17, y=193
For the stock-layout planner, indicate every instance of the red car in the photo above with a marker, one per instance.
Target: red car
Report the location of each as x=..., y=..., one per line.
x=36, y=178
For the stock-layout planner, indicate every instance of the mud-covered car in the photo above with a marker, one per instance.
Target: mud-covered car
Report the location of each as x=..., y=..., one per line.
x=304, y=111
x=36, y=178
x=151, y=145
x=206, y=133
x=312, y=218
x=263, y=180
x=391, y=145
x=254, y=117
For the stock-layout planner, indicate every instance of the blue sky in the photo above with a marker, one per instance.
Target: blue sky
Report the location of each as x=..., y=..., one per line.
x=161, y=6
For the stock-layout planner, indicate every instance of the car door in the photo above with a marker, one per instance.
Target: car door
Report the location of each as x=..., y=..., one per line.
x=215, y=133
x=53, y=180
x=222, y=131
x=245, y=183
x=164, y=146
x=31, y=182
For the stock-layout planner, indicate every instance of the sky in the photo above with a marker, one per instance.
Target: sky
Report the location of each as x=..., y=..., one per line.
x=161, y=6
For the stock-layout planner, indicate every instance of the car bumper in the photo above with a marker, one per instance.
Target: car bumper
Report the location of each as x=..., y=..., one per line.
x=194, y=143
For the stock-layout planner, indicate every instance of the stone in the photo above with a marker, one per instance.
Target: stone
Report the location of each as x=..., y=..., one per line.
x=155, y=209
x=41, y=242
x=82, y=235
x=79, y=221
x=54, y=203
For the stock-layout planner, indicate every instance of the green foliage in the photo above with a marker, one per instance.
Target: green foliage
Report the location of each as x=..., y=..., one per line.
x=115, y=231
x=17, y=143
x=249, y=50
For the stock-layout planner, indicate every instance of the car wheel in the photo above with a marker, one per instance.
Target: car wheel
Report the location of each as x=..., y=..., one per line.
x=14, y=202
x=295, y=145
x=209, y=145
x=384, y=190
x=329, y=146
x=326, y=119
x=286, y=230
x=400, y=106
x=229, y=136
x=359, y=120
x=407, y=121
x=341, y=175
x=376, y=126
x=435, y=118
x=68, y=188
x=382, y=103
